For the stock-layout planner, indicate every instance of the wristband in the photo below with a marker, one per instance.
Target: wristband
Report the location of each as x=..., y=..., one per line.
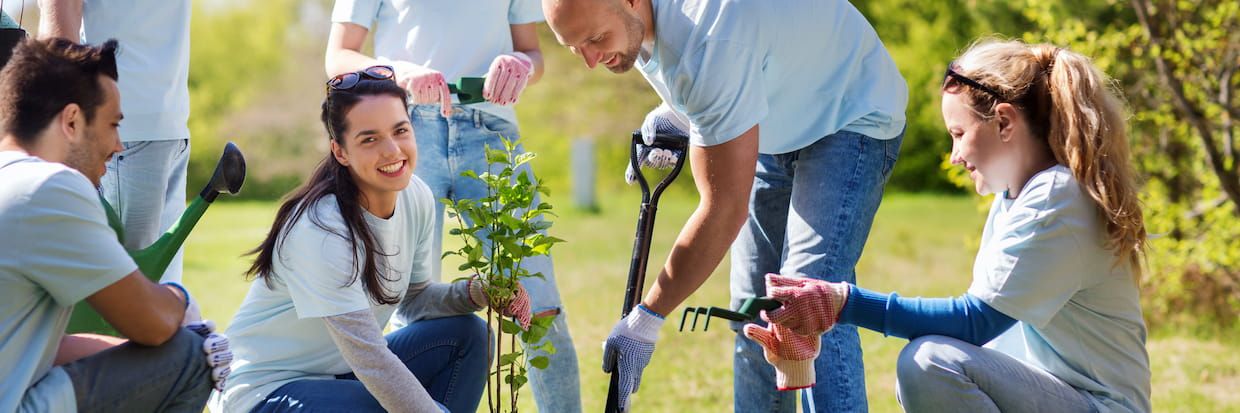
x=184, y=292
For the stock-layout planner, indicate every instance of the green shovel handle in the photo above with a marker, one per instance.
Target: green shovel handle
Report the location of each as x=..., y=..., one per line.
x=468, y=90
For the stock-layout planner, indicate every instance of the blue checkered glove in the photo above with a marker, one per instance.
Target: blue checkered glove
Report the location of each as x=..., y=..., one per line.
x=629, y=348
x=662, y=120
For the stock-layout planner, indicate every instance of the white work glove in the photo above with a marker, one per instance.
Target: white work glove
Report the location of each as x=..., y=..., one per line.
x=507, y=77
x=630, y=345
x=663, y=119
x=425, y=85
x=215, y=346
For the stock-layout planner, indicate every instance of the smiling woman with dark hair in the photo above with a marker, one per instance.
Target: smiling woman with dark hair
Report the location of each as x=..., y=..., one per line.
x=348, y=249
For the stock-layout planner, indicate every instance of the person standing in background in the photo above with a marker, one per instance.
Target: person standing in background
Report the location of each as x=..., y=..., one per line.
x=429, y=43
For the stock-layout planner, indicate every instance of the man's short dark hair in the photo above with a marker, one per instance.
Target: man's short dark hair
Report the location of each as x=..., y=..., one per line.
x=44, y=76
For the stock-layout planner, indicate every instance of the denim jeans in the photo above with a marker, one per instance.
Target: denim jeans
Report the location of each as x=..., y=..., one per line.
x=449, y=146
x=173, y=377
x=809, y=214
x=449, y=356
x=943, y=374
x=145, y=184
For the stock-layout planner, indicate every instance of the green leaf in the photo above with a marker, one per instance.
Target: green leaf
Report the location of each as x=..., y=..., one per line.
x=509, y=358
x=509, y=327
x=540, y=362
x=496, y=156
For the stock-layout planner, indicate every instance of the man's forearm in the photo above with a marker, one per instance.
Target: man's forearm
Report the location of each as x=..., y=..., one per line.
x=60, y=18
x=724, y=176
x=699, y=249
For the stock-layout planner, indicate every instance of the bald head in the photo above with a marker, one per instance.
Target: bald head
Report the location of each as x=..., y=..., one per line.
x=606, y=32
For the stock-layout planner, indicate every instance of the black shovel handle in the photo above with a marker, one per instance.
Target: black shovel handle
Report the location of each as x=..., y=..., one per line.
x=641, y=243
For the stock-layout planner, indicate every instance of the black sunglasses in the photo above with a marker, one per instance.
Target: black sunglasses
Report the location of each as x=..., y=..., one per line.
x=951, y=76
x=345, y=81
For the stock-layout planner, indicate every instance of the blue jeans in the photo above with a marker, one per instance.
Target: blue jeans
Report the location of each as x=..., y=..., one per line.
x=449, y=146
x=943, y=374
x=809, y=214
x=172, y=377
x=448, y=356
x=145, y=184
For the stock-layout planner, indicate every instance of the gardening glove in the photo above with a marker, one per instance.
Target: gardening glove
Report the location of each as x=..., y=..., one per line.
x=629, y=348
x=507, y=77
x=663, y=119
x=810, y=307
x=425, y=85
x=792, y=354
x=219, y=353
x=519, y=307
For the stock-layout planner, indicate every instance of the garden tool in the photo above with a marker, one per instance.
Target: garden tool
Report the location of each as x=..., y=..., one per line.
x=749, y=311
x=645, y=228
x=468, y=89
x=154, y=259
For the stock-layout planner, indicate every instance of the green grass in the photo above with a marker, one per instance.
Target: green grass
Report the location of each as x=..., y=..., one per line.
x=920, y=246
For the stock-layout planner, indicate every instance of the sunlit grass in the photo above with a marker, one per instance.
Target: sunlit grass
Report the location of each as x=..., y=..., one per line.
x=919, y=246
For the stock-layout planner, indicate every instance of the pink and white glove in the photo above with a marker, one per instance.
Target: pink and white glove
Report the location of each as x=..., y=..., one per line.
x=507, y=77
x=425, y=85
x=792, y=354
x=810, y=307
x=519, y=307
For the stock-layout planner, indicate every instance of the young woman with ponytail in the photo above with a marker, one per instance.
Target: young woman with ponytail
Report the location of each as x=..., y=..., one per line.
x=348, y=249
x=1052, y=321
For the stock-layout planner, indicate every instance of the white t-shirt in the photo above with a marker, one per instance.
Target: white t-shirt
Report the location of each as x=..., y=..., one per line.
x=459, y=38
x=1043, y=262
x=56, y=250
x=152, y=60
x=800, y=69
x=278, y=335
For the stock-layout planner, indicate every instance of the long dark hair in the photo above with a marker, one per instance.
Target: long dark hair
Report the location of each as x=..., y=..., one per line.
x=332, y=178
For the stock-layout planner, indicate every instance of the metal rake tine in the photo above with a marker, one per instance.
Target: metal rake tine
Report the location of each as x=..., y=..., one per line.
x=697, y=312
x=684, y=315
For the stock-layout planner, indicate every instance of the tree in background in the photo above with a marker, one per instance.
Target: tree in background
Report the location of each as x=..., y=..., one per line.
x=1176, y=63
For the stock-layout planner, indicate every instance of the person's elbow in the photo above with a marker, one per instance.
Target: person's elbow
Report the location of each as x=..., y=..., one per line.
x=158, y=331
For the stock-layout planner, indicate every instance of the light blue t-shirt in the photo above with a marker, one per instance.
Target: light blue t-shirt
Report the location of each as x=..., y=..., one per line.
x=278, y=335
x=56, y=250
x=6, y=22
x=1043, y=261
x=800, y=69
x=458, y=38
x=152, y=61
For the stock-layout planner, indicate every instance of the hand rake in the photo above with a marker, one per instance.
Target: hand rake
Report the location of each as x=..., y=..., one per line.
x=749, y=311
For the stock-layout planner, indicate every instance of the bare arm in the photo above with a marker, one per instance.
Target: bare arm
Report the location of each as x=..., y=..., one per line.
x=344, y=49
x=60, y=18
x=74, y=347
x=525, y=40
x=724, y=175
x=146, y=312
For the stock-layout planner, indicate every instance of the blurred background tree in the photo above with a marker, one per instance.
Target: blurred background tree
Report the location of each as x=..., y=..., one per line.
x=257, y=71
x=256, y=78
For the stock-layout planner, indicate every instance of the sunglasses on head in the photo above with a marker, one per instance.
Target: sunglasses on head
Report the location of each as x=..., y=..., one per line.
x=950, y=79
x=346, y=81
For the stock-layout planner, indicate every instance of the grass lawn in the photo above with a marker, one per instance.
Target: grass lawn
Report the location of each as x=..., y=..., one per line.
x=920, y=246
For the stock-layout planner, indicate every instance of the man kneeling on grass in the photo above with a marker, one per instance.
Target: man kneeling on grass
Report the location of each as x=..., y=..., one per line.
x=59, y=102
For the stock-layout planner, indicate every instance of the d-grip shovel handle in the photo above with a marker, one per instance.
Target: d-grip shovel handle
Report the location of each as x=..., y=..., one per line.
x=661, y=141
x=468, y=89
x=641, y=243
